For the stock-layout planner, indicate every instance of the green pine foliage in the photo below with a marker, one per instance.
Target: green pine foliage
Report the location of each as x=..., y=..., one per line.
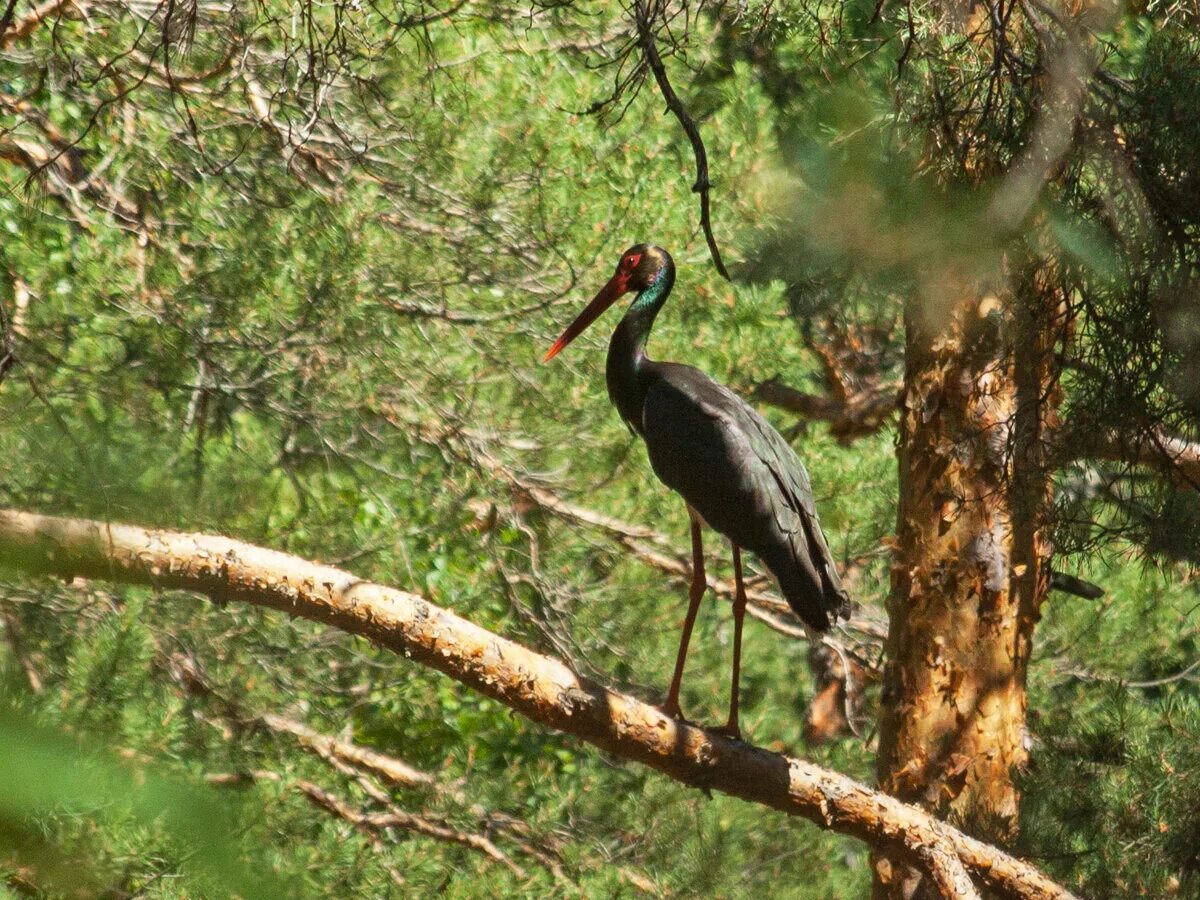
x=336, y=368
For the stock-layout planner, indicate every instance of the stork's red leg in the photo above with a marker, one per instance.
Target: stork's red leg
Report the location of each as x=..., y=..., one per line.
x=695, y=594
x=739, y=613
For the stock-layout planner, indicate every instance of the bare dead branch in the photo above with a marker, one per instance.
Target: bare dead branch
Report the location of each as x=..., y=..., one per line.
x=359, y=763
x=851, y=416
x=1084, y=674
x=858, y=394
x=321, y=798
x=647, y=545
x=1174, y=453
x=1177, y=457
x=293, y=145
x=538, y=687
x=392, y=771
x=701, y=186
x=375, y=823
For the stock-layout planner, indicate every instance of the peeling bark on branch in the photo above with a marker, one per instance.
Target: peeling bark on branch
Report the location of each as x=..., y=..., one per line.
x=538, y=687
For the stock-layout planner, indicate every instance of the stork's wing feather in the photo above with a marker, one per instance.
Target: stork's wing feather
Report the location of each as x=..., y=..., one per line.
x=745, y=480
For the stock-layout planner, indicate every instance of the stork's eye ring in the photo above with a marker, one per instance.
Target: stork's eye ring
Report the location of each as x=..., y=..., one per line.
x=632, y=260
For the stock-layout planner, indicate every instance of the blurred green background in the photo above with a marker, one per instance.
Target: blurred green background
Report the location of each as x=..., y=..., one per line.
x=322, y=332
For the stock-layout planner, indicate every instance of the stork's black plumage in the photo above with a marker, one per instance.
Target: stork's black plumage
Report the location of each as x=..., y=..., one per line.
x=736, y=472
x=745, y=481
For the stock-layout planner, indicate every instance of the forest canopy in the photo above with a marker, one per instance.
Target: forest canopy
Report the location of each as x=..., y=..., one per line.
x=285, y=272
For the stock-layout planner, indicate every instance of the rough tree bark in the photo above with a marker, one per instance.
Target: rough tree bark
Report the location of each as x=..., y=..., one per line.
x=538, y=687
x=971, y=565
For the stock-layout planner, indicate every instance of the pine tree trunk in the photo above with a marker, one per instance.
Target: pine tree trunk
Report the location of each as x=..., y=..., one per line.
x=971, y=563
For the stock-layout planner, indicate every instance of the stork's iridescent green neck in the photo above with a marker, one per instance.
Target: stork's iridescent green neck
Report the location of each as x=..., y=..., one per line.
x=649, y=271
x=627, y=359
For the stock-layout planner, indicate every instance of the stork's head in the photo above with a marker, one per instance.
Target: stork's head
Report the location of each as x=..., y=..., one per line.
x=640, y=266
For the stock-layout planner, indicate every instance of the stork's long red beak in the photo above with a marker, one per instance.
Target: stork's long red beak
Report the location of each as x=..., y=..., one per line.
x=609, y=294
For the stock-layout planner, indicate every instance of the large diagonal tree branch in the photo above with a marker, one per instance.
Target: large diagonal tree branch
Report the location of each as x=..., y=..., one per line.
x=540, y=688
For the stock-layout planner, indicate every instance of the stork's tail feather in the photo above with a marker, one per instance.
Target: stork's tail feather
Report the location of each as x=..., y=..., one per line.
x=845, y=608
x=818, y=599
x=836, y=594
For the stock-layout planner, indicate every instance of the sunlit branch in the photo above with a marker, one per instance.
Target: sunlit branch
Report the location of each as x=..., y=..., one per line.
x=538, y=687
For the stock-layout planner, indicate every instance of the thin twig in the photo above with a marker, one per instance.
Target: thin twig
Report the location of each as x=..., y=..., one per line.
x=1088, y=675
x=320, y=798
x=373, y=823
x=369, y=768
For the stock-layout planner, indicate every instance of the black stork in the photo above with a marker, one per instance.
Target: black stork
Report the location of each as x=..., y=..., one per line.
x=735, y=472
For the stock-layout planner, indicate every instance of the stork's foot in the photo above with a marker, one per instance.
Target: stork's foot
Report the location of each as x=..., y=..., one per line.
x=670, y=709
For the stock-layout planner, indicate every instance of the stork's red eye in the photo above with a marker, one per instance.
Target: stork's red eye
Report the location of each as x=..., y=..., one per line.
x=632, y=260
